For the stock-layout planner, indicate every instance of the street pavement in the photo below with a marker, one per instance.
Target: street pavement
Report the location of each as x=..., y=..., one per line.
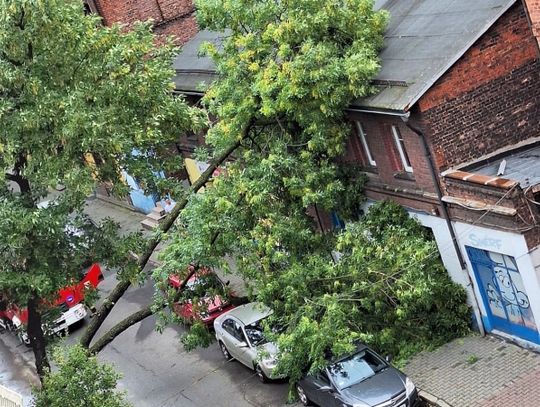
x=468, y=372
x=479, y=372
x=157, y=371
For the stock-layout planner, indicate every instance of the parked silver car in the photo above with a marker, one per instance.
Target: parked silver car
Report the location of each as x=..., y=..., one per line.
x=240, y=336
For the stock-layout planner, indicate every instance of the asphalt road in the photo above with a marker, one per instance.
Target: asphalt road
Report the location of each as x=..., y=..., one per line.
x=156, y=370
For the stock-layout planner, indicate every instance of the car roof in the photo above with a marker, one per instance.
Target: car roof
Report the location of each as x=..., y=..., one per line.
x=250, y=313
x=359, y=346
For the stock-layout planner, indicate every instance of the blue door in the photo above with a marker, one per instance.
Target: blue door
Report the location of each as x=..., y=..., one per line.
x=503, y=293
x=142, y=202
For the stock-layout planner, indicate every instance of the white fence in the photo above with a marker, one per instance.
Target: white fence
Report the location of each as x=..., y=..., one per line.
x=9, y=398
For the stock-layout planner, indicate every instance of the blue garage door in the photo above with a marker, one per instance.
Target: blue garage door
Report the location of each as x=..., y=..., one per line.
x=503, y=294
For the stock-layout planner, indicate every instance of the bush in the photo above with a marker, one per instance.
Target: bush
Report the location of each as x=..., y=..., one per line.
x=80, y=380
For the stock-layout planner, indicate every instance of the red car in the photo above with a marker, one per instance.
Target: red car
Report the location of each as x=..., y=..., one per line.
x=205, y=298
x=69, y=306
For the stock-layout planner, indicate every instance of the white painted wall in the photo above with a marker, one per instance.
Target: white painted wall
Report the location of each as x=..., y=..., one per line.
x=511, y=244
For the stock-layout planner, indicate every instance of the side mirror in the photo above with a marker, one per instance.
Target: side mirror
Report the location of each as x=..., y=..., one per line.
x=242, y=344
x=389, y=358
x=326, y=388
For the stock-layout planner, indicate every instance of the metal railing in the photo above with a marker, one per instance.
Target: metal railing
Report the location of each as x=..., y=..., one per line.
x=9, y=398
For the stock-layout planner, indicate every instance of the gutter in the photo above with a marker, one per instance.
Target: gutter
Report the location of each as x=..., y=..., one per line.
x=434, y=178
x=397, y=113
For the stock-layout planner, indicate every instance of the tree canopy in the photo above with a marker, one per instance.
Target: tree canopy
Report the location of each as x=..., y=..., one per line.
x=80, y=380
x=288, y=70
x=79, y=102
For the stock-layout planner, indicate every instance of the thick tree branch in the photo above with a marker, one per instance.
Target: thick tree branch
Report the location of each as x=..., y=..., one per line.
x=137, y=316
x=122, y=286
x=119, y=328
x=5, y=57
x=147, y=311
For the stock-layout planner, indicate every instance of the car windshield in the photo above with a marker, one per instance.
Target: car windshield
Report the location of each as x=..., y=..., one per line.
x=254, y=333
x=355, y=368
x=202, y=286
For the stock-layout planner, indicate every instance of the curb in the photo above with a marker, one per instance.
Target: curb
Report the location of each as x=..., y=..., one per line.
x=432, y=399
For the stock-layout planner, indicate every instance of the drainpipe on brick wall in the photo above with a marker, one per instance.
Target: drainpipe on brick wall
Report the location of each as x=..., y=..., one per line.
x=446, y=216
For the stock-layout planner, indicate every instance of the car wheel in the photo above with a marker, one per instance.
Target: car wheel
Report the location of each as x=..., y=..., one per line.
x=260, y=374
x=10, y=326
x=225, y=351
x=302, y=395
x=23, y=338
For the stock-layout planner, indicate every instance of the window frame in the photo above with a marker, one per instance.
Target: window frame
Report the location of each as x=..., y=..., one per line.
x=400, y=144
x=365, y=145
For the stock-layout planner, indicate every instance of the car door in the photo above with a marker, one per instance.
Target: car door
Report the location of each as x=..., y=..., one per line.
x=326, y=398
x=235, y=341
x=228, y=336
x=245, y=353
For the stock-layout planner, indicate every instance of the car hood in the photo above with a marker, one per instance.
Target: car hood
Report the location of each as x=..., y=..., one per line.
x=378, y=388
x=268, y=350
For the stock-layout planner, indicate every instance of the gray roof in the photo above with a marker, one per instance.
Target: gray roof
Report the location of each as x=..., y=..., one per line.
x=194, y=72
x=522, y=166
x=423, y=40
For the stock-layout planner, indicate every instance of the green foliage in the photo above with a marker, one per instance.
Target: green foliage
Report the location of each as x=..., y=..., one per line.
x=76, y=100
x=287, y=70
x=79, y=381
x=79, y=104
x=198, y=336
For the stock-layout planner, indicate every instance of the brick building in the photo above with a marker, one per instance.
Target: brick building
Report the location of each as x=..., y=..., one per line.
x=453, y=135
x=533, y=10
x=175, y=18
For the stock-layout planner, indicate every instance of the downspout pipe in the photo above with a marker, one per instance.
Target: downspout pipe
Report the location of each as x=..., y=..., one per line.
x=446, y=216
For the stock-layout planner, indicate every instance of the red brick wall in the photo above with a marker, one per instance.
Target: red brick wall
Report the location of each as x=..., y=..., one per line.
x=523, y=222
x=505, y=46
x=171, y=17
x=533, y=7
x=389, y=170
x=490, y=98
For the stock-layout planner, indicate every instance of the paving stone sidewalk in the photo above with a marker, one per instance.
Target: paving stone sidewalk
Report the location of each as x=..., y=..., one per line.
x=479, y=372
x=128, y=220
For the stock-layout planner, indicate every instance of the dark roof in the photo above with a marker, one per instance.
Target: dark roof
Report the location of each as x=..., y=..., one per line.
x=423, y=40
x=194, y=72
x=521, y=166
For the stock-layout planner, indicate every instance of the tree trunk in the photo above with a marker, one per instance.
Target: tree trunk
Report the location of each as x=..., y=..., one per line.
x=35, y=333
x=138, y=316
x=37, y=338
x=122, y=286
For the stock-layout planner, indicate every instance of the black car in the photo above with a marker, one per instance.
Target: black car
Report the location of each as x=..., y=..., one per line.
x=362, y=379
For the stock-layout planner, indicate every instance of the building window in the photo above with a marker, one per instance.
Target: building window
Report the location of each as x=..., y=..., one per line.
x=365, y=145
x=398, y=139
x=89, y=7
